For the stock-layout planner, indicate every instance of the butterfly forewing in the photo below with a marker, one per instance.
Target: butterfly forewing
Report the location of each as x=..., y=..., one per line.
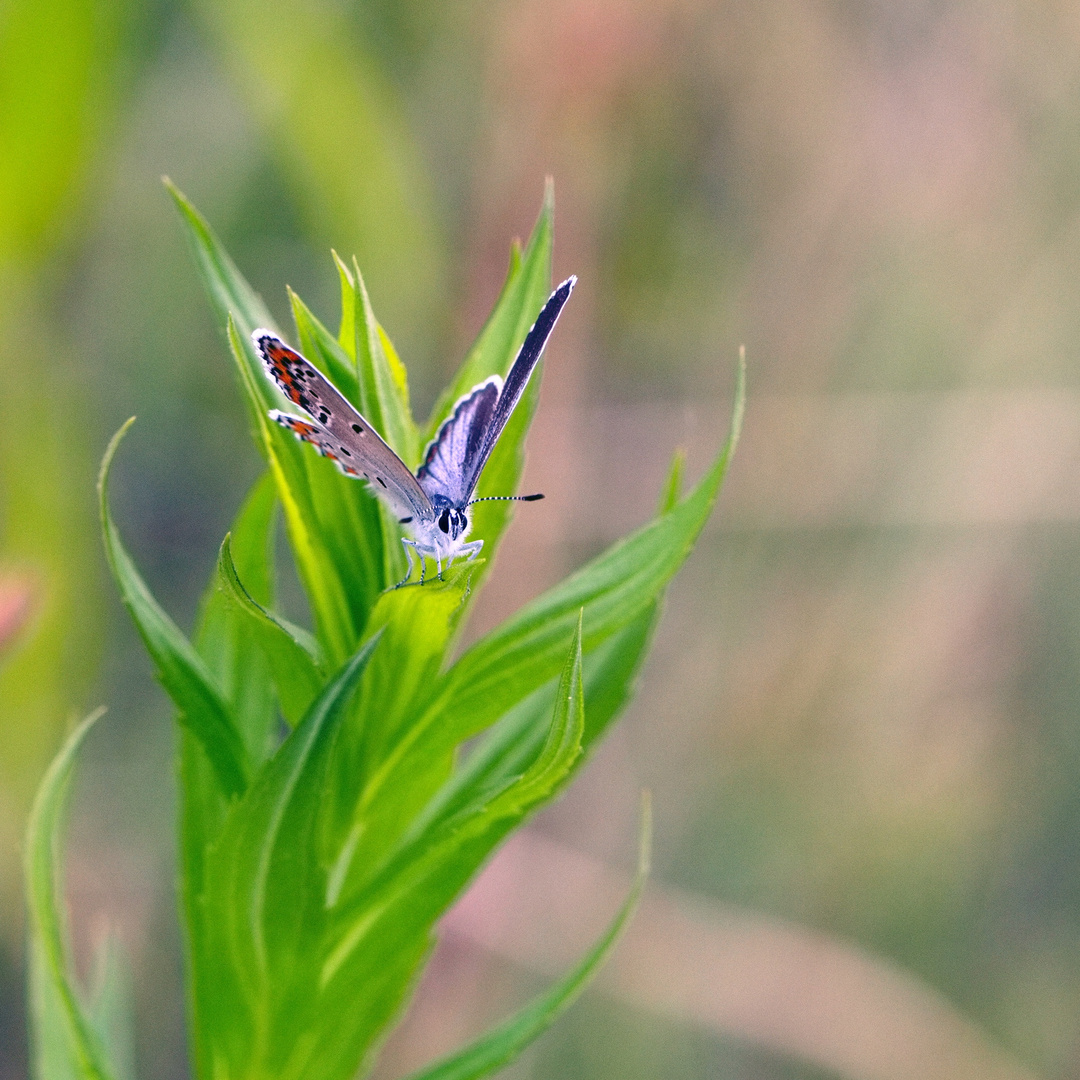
x=339, y=432
x=516, y=381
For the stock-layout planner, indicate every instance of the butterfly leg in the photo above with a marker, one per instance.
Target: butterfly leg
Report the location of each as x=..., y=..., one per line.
x=471, y=550
x=406, y=543
x=438, y=563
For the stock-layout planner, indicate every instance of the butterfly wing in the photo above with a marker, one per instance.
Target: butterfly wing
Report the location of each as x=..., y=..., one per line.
x=339, y=432
x=518, y=378
x=450, y=458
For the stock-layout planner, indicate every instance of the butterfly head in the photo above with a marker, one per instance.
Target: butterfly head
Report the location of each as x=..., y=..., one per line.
x=452, y=522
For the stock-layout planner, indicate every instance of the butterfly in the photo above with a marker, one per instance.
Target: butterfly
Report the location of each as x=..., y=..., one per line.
x=433, y=504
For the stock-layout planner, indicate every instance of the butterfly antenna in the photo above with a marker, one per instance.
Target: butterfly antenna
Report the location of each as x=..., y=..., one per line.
x=506, y=498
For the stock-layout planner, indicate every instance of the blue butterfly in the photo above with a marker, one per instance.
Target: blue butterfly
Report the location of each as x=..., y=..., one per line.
x=433, y=503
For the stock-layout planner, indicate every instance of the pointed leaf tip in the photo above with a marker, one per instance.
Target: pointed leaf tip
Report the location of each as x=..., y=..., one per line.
x=500, y=1046
x=110, y=453
x=179, y=667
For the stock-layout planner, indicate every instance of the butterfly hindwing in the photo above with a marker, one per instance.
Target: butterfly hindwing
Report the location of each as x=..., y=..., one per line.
x=448, y=463
x=339, y=432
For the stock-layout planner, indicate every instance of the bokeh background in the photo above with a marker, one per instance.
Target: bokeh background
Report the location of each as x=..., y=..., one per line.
x=861, y=719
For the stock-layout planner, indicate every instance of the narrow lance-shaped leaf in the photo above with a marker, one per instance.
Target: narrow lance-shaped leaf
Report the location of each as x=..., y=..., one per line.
x=181, y=670
x=112, y=1006
x=324, y=577
x=384, y=388
x=439, y=862
x=374, y=944
x=416, y=625
x=229, y=293
x=324, y=350
x=64, y=1041
x=503, y=1044
x=222, y=636
x=610, y=672
x=291, y=651
x=525, y=652
x=505, y=750
x=384, y=400
x=265, y=887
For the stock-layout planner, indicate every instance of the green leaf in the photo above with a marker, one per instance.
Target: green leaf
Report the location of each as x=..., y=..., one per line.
x=502, y=1045
x=504, y=751
x=520, y=656
x=223, y=637
x=416, y=625
x=376, y=939
x=229, y=293
x=241, y=311
x=291, y=651
x=241, y=668
x=310, y=489
x=324, y=350
x=383, y=383
x=264, y=896
x=181, y=670
x=65, y=1043
x=431, y=869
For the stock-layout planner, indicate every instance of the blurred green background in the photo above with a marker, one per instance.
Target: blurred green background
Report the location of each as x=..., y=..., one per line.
x=861, y=721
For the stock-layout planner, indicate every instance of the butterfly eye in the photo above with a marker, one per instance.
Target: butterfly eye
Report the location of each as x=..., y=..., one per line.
x=444, y=521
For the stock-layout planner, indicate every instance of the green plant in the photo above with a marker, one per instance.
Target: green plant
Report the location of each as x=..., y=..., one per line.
x=314, y=867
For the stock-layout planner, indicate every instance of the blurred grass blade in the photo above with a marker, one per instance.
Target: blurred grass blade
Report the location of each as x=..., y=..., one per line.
x=112, y=1006
x=291, y=651
x=65, y=1043
x=343, y=139
x=180, y=669
x=499, y=1047
x=57, y=97
x=63, y=64
x=672, y=490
